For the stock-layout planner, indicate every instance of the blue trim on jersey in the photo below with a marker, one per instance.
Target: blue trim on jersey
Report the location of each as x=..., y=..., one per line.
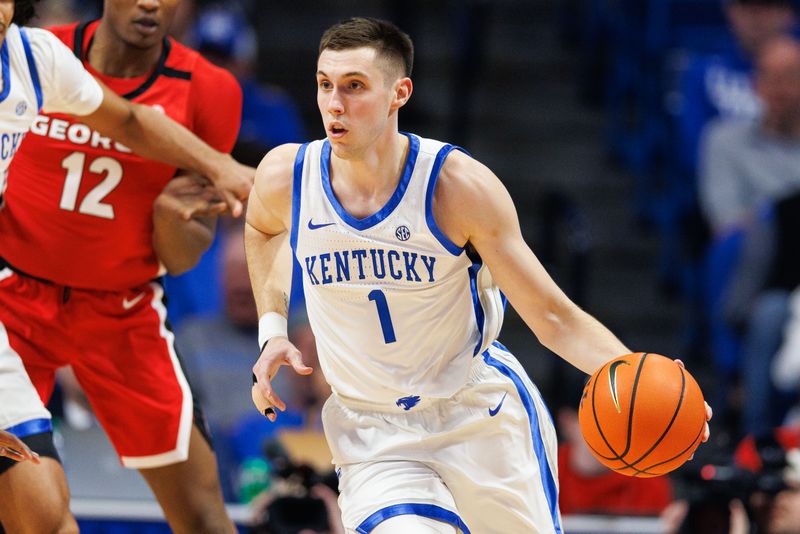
x=451, y=247
x=480, y=316
x=504, y=300
x=29, y=428
x=37, y=86
x=548, y=481
x=6, y=71
x=375, y=218
x=296, y=291
x=431, y=511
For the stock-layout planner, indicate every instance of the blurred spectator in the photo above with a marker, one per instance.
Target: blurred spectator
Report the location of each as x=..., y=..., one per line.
x=721, y=84
x=758, y=303
x=269, y=116
x=747, y=163
x=219, y=350
x=755, y=490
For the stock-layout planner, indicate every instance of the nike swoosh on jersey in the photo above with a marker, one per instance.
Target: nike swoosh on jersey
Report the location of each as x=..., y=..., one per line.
x=312, y=226
x=128, y=304
x=492, y=413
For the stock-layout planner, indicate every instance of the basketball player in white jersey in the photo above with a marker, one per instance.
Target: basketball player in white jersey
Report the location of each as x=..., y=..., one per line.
x=434, y=426
x=37, y=72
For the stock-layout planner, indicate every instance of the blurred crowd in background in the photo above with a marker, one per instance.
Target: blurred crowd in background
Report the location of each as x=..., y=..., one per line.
x=702, y=105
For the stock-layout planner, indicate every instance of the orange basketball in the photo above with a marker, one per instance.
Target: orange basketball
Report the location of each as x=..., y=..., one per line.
x=642, y=415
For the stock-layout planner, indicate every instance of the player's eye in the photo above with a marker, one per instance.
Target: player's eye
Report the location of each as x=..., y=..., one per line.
x=325, y=84
x=355, y=85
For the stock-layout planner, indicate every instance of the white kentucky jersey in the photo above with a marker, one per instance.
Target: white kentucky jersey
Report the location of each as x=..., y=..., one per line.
x=38, y=72
x=398, y=310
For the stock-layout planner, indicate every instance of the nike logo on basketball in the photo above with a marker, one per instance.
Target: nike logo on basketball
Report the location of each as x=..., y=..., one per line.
x=612, y=382
x=312, y=226
x=492, y=413
x=128, y=304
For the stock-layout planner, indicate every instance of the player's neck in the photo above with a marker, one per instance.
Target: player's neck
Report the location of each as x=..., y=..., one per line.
x=111, y=56
x=376, y=169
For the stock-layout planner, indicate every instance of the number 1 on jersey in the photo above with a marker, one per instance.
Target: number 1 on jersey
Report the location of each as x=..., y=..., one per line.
x=377, y=296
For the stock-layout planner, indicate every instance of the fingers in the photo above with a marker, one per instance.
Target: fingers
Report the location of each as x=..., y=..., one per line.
x=680, y=362
x=296, y=361
x=206, y=209
x=709, y=412
x=265, y=398
x=262, y=403
x=16, y=449
x=233, y=203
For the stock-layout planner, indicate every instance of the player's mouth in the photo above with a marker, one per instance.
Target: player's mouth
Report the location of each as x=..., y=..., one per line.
x=146, y=25
x=336, y=130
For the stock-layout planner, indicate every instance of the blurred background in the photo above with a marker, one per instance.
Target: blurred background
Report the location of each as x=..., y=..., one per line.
x=652, y=148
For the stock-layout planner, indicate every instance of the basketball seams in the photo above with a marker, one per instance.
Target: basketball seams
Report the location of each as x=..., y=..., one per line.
x=671, y=422
x=597, y=422
x=694, y=443
x=618, y=456
x=633, y=404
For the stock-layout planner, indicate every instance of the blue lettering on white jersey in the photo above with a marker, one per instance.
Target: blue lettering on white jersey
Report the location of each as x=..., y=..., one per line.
x=398, y=310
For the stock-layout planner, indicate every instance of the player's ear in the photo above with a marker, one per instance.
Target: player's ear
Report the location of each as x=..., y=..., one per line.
x=402, y=92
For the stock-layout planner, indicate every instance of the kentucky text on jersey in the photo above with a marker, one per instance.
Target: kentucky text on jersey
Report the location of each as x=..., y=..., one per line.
x=9, y=143
x=373, y=263
x=77, y=133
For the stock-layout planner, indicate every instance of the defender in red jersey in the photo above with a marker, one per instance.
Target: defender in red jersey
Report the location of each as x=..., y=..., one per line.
x=81, y=257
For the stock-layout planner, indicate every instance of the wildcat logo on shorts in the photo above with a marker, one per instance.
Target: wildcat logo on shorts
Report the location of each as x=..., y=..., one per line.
x=22, y=107
x=402, y=233
x=409, y=402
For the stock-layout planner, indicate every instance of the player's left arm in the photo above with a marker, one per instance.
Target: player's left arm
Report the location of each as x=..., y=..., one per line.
x=472, y=206
x=184, y=221
x=185, y=213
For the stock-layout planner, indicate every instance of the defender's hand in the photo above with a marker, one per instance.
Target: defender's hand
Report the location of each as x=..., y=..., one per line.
x=233, y=182
x=277, y=352
x=190, y=195
x=13, y=447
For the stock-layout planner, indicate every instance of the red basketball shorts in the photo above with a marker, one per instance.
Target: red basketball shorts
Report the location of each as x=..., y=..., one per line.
x=122, y=353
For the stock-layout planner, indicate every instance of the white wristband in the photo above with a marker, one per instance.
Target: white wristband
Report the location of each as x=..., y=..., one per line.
x=270, y=325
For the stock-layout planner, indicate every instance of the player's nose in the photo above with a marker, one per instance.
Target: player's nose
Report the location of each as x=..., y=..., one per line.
x=335, y=105
x=148, y=5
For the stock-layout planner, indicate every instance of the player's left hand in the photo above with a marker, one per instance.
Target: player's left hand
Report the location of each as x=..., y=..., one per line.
x=233, y=182
x=190, y=195
x=13, y=447
x=709, y=412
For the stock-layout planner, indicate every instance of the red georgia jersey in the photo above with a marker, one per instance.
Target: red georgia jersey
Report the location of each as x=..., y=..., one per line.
x=79, y=206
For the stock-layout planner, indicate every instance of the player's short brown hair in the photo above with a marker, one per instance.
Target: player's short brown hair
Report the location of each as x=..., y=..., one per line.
x=24, y=11
x=391, y=43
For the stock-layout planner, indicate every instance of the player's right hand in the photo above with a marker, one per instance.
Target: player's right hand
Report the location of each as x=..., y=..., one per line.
x=13, y=447
x=277, y=352
x=233, y=182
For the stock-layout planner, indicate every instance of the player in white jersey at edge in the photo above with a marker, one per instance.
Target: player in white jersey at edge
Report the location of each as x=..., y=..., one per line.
x=434, y=426
x=37, y=72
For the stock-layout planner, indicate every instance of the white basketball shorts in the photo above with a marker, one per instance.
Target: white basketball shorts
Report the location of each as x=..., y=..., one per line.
x=483, y=460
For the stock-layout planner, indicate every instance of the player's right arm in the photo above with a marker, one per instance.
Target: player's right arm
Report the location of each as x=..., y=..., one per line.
x=269, y=262
x=68, y=88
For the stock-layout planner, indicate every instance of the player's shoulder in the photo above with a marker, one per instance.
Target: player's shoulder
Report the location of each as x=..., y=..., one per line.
x=461, y=174
x=275, y=173
x=201, y=70
x=64, y=32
